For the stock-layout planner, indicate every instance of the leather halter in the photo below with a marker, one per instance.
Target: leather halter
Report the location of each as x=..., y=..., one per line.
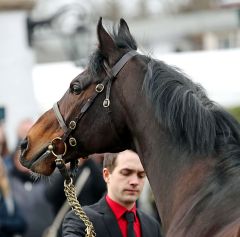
x=111, y=74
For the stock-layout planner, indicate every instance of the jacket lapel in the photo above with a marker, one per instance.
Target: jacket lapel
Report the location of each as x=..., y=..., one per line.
x=109, y=219
x=144, y=228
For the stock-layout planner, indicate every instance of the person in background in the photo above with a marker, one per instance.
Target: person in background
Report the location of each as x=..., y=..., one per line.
x=12, y=222
x=116, y=214
x=29, y=194
x=4, y=151
x=21, y=132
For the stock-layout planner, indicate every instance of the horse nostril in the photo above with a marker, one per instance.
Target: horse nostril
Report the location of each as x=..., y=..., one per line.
x=24, y=144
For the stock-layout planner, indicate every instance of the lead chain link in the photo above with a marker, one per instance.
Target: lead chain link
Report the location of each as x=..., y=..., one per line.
x=70, y=193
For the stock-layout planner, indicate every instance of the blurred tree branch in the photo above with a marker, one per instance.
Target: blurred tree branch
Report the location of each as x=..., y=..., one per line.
x=16, y=4
x=235, y=111
x=182, y=6
x=114, y=9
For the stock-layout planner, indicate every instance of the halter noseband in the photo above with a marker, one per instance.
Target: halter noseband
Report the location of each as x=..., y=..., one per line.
x=111, y=74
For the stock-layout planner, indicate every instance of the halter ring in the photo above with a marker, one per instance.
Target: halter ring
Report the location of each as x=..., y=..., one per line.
x=56, y=141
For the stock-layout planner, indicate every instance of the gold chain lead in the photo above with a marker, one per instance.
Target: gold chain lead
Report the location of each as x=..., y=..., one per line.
x=70, y=193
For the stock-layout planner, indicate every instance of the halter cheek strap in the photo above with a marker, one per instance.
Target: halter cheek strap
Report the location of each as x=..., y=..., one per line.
x=111, y=74
x=59, y=118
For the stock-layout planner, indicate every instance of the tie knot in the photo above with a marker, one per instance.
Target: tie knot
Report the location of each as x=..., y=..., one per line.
x=129, y=216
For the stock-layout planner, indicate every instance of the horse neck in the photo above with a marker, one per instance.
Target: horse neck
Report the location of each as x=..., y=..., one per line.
x=169, y=172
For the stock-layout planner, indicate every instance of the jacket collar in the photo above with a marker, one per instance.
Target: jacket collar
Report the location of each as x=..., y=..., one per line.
x=108, y=216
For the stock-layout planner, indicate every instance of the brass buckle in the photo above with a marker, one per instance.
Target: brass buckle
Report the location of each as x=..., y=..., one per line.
x=72, y=125
x=99, y=88
x=106, y=103
x=72, y=141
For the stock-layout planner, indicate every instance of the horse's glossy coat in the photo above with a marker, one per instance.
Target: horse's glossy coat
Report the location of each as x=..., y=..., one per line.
x=189, y=146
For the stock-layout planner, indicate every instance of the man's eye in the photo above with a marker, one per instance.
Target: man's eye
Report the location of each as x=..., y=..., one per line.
x=141, y=175
x=125, y=172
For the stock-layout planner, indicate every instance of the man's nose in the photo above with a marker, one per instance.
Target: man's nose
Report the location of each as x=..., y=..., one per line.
x=134, y=180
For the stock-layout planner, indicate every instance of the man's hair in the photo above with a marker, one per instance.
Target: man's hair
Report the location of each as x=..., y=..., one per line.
x=109, y=161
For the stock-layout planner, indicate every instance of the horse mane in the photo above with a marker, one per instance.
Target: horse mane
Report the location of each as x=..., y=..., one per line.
x=198, y=126
x=195, y=123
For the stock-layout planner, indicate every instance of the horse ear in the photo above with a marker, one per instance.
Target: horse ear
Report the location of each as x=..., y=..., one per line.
x=123, y=28
x=124, y=32
x=106, y=43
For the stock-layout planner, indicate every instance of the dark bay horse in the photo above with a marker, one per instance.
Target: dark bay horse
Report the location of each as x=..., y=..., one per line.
x=188, y=145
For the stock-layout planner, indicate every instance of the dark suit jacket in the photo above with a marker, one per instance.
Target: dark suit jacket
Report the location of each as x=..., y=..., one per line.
x=105, y=223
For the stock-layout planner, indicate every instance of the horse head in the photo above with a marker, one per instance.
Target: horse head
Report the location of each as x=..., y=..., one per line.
x=90, y=117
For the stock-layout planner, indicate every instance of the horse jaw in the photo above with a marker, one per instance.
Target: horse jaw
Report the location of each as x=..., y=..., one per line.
x=43, y=166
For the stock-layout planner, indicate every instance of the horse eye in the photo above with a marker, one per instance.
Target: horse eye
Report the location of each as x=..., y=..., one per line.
x=75, y=88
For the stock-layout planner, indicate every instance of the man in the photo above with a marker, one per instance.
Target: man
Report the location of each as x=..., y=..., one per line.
x=124, y=176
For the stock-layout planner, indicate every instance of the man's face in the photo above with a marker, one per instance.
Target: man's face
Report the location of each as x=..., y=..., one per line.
x=126, y=181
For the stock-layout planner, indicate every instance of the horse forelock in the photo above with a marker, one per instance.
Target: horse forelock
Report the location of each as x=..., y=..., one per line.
x=95, y=64
x=194, y=122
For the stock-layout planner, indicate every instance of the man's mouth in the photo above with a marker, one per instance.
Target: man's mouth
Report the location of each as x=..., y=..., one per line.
x=132, y=191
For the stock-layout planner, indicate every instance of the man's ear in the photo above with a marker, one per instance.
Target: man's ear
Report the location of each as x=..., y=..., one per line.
x=106, y=175
x=106, y=43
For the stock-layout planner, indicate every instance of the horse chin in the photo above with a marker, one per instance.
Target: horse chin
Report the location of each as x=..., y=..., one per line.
x=44, y=167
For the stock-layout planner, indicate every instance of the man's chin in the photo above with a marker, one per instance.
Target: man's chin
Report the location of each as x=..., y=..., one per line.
x=130, y=199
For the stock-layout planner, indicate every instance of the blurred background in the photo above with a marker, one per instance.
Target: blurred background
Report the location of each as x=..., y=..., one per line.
x=45, y=44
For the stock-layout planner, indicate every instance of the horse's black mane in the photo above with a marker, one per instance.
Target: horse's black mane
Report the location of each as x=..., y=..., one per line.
x=195, y=123
x=182, y=106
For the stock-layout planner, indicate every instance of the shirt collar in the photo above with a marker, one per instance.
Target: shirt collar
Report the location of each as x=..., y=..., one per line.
x=118, y=209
